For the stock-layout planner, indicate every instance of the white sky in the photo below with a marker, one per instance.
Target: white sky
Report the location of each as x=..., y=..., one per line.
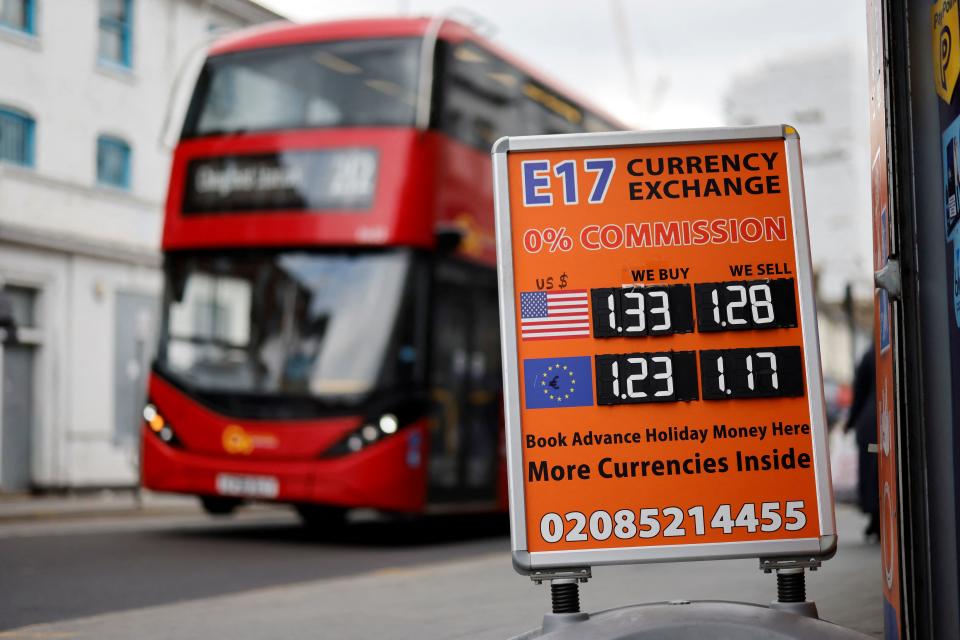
x=684, y=53
x=685, y=56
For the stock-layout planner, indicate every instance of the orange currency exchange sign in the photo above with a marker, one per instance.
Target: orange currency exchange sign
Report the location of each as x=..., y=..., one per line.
x=662, y=371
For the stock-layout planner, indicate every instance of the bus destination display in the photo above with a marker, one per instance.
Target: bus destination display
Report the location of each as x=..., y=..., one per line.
x=662, y=380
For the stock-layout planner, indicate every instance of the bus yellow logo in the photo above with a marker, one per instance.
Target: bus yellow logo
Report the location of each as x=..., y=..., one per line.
x=236, y=440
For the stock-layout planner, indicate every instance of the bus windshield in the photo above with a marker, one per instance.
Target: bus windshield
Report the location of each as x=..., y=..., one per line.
x=289, y=323
x=352, y=83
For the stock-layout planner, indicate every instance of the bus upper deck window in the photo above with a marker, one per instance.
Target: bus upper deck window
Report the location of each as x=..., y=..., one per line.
x=349, y=83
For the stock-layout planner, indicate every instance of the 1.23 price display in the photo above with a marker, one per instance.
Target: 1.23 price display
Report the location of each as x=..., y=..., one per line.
x=634, y=378
x=672, y=522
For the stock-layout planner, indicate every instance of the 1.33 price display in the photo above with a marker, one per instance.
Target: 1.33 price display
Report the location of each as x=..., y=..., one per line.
x=634, y=312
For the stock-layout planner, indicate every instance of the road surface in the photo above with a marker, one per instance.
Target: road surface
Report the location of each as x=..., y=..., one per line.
x=262, y=576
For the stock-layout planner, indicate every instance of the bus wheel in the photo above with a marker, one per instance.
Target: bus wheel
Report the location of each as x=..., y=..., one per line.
x=219, y=506
x=317, y=516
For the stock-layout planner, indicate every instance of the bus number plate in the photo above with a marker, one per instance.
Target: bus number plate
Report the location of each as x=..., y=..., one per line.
x=229, y=484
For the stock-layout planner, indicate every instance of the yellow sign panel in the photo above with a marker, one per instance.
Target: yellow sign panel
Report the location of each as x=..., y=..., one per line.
x=946, y=54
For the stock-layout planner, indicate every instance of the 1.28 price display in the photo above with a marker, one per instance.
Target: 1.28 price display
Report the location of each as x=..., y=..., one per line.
x=746, y=304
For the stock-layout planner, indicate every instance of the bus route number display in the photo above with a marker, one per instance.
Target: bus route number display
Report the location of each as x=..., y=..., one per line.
x=662, y=379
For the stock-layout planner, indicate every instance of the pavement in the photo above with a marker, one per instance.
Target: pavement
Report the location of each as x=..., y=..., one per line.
x=101, y=502
x=351, y=584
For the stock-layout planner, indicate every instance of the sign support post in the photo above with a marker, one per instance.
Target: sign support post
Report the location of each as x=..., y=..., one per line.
x=564, y=587
x=792, y=584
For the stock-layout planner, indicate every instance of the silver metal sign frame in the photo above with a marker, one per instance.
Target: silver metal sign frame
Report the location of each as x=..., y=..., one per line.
x=525, y=561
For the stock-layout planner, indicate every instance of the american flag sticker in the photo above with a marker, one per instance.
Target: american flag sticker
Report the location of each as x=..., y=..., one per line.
x=545, y=314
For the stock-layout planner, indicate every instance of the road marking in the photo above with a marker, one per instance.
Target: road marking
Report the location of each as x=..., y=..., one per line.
x=25, y=634
x=97, y=525
x=413, y=570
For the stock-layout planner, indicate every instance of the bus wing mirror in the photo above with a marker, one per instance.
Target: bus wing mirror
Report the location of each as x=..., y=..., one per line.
x=449, y=239
x=8, y=323
x=180, y=93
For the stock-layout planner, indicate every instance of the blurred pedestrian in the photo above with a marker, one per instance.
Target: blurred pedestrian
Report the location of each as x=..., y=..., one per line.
x=863, y=419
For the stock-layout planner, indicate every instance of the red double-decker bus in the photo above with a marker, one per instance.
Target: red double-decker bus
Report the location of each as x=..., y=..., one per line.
x=330, y=333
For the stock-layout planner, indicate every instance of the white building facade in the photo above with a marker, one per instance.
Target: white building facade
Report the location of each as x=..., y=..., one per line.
x=823, y=94
x=84, y=92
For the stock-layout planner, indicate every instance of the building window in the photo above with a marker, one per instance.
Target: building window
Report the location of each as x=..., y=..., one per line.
x=116, y=32
x=17, y=14
x=16, y=137
x=113, y=162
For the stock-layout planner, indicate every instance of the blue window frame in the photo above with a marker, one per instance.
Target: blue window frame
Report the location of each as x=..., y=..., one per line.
x=16, y=137
x=116, y=32
x=18, y=14
x=113, y=162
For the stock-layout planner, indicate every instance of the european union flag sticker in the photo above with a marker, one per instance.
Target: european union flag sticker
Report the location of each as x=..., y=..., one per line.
x=558, y=382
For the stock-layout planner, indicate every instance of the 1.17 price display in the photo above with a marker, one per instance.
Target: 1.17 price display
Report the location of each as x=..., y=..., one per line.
x=765, y=372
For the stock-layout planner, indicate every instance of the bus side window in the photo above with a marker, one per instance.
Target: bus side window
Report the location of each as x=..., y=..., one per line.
x=482, y=428
x=479, y=96
x=593, y=124
x=465, y=382
x=547, y=112
x=449, y=375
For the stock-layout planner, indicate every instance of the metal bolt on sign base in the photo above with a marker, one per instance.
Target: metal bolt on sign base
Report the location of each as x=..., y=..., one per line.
x=565, y=596
x=792, y=584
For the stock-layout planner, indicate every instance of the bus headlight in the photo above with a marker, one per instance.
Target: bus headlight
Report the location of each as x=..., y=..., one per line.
x=369, y=433
x=158, y=425
x=354, y=443
x=153, y=418
x=389, y=423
